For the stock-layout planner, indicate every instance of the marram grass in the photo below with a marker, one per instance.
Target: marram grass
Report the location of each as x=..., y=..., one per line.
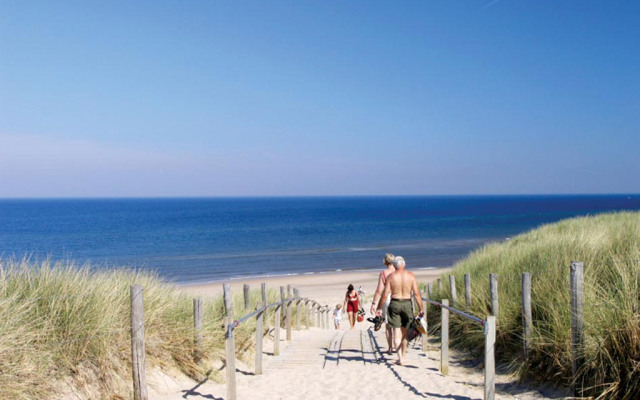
x=65, y=328
x=609, y=247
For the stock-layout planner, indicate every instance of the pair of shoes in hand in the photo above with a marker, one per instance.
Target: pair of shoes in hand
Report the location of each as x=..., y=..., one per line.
x=376, y=321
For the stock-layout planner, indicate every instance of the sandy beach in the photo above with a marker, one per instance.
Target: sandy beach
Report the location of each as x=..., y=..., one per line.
x=326, y=288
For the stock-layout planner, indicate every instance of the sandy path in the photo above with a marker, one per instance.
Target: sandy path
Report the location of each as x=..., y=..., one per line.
x=306, y=370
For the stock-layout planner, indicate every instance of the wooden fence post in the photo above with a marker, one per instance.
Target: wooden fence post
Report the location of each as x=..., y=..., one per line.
x=245, y=290
x=276, y=331
x=493, y=288
x=425, y=335
x=490, y=358
x=577, y=321
x=198, y=319
x=283, y=313
x=263, y=292
x=289, y=322
x=430, y=290
x=527, y=323
x=452, y=289
x=328, y=317
x=439, y=286
x=467, y=289
x=259, y=338
x=230, y=344
x=308, y=309
x=444, y=341
x=137, y=343
x=296, y=294
x=317, y=309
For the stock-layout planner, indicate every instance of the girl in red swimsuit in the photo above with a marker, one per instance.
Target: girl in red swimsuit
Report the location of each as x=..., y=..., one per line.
x=352, y=304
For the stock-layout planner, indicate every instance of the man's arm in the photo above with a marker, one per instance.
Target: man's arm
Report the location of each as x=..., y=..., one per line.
x=377, y=295
x=387, y=290
x=416, y=294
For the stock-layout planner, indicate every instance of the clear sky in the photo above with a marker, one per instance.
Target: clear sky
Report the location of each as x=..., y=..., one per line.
x=253, y=98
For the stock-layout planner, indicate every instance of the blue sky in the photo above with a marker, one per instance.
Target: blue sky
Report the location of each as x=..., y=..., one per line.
x=213, y=98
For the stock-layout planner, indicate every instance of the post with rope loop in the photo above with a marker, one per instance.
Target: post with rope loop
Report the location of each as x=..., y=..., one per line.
x=444, y=339
x=245, y=291
x=276, y=331
x=137, y=343
x=467, y=289
x=289, y=322
x=296, y=293
x=198, y=320
x=259, y=337
x=230, y=345
x=452, y=289
x=490, y=358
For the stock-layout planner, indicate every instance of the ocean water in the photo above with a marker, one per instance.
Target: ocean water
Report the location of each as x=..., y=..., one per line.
x=213, y=239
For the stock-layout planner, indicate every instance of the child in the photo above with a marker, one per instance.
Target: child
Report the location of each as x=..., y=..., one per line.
x=337, y=316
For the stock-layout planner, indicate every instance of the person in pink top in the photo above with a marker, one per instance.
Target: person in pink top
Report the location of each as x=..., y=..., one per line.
x=382, y=281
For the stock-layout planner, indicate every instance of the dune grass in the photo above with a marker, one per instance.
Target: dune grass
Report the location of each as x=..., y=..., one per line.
x=65, y=328
x=609, y=247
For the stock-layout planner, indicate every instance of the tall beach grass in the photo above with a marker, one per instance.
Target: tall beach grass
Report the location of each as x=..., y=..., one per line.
x=65, y=328
x=609, y=247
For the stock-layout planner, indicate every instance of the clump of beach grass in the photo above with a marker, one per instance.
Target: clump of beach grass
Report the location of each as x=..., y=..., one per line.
x=67, y=328
x=609, y=247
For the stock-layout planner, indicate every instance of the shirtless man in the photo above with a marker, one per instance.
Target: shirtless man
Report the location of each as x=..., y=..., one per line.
x=377, y=297
x=401, y=284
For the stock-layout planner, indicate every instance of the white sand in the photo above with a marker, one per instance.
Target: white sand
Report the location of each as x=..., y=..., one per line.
x=304, y=371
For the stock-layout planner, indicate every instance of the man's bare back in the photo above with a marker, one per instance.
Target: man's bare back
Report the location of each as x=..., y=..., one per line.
x=402, y=283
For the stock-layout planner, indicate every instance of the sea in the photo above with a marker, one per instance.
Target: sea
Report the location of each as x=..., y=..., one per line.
x=198, y=240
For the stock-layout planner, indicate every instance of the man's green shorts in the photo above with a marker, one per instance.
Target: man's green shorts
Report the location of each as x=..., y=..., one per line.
x=400, y=313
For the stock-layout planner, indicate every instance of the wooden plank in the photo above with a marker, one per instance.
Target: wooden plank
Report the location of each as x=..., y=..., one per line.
x=137, y=343
x=490, y=359
x=230, y=344
x=527, y=321
x=259, y=338
x=444, y=341
x=577, y=321
x=493, y=289
x=467, y=289
x=198, y=321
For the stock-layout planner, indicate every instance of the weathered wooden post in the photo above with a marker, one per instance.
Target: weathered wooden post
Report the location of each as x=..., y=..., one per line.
x=493, y=288
x=490, y=358
x=230, y=344
x=198, y=319
x=317, y=309
x=577, y=321
x=322, y=319
x=308, y=310
x=259, y=338
x=430, y=290
x=289, y=321
x=425, y=336
x=467, y=289
x=284, y=314
x=527, y=324
x=245, y=290
x=276, y=331
x=263, y=292
x=452, y=289
x=296, y=294
x=328, y=317
x=137, y=343
x=444, y=341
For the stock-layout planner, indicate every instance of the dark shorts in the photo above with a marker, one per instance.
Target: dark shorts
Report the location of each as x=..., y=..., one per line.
x=400, y=313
